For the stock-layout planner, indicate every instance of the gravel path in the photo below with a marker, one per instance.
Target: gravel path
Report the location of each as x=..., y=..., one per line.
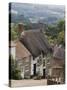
x=25, y=83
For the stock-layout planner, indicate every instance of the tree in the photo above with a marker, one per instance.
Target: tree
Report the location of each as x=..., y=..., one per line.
x=14, y=32
x=61, y=25
x=14, y=72
x=61, y=38
x=55, y=33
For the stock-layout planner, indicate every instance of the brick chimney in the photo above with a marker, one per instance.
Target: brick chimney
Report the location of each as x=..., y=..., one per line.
x=41, y=27
x=20, y=29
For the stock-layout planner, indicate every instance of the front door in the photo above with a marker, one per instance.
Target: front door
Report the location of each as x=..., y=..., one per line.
x=43, y=73
x=34, y=69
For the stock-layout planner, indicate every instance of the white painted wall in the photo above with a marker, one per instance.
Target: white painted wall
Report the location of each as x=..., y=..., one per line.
x=32, y=63
x=38, y=68
x=41, y=70
x=22, y=74
x=13, y=52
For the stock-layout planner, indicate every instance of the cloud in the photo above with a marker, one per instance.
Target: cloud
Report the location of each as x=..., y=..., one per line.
x=14, y=11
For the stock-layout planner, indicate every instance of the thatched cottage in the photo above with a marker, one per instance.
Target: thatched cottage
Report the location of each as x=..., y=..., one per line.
x=31, y=50
x=38, y=46
x=56, y=68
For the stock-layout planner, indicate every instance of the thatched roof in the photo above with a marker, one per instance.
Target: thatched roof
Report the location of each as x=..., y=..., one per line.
x=59, y=52
x=35, y=42
x=21, y=51
x=58, y=59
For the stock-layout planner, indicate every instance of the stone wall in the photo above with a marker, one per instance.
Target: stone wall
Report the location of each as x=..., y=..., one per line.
x=25, y=66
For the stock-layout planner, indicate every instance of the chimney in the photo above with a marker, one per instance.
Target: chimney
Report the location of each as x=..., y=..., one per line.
x=41, y=27
x=20, y=29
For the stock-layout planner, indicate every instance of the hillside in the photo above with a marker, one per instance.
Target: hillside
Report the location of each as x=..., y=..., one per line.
x=34, y=13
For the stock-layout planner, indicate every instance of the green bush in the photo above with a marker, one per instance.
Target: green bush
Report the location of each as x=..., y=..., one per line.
x=14, y=71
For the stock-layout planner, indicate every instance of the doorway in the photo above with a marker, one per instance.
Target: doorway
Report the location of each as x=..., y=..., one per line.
x=34, y=69
x=43, y=73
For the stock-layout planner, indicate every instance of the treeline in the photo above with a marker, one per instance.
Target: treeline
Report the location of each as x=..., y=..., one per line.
x=55, y=33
